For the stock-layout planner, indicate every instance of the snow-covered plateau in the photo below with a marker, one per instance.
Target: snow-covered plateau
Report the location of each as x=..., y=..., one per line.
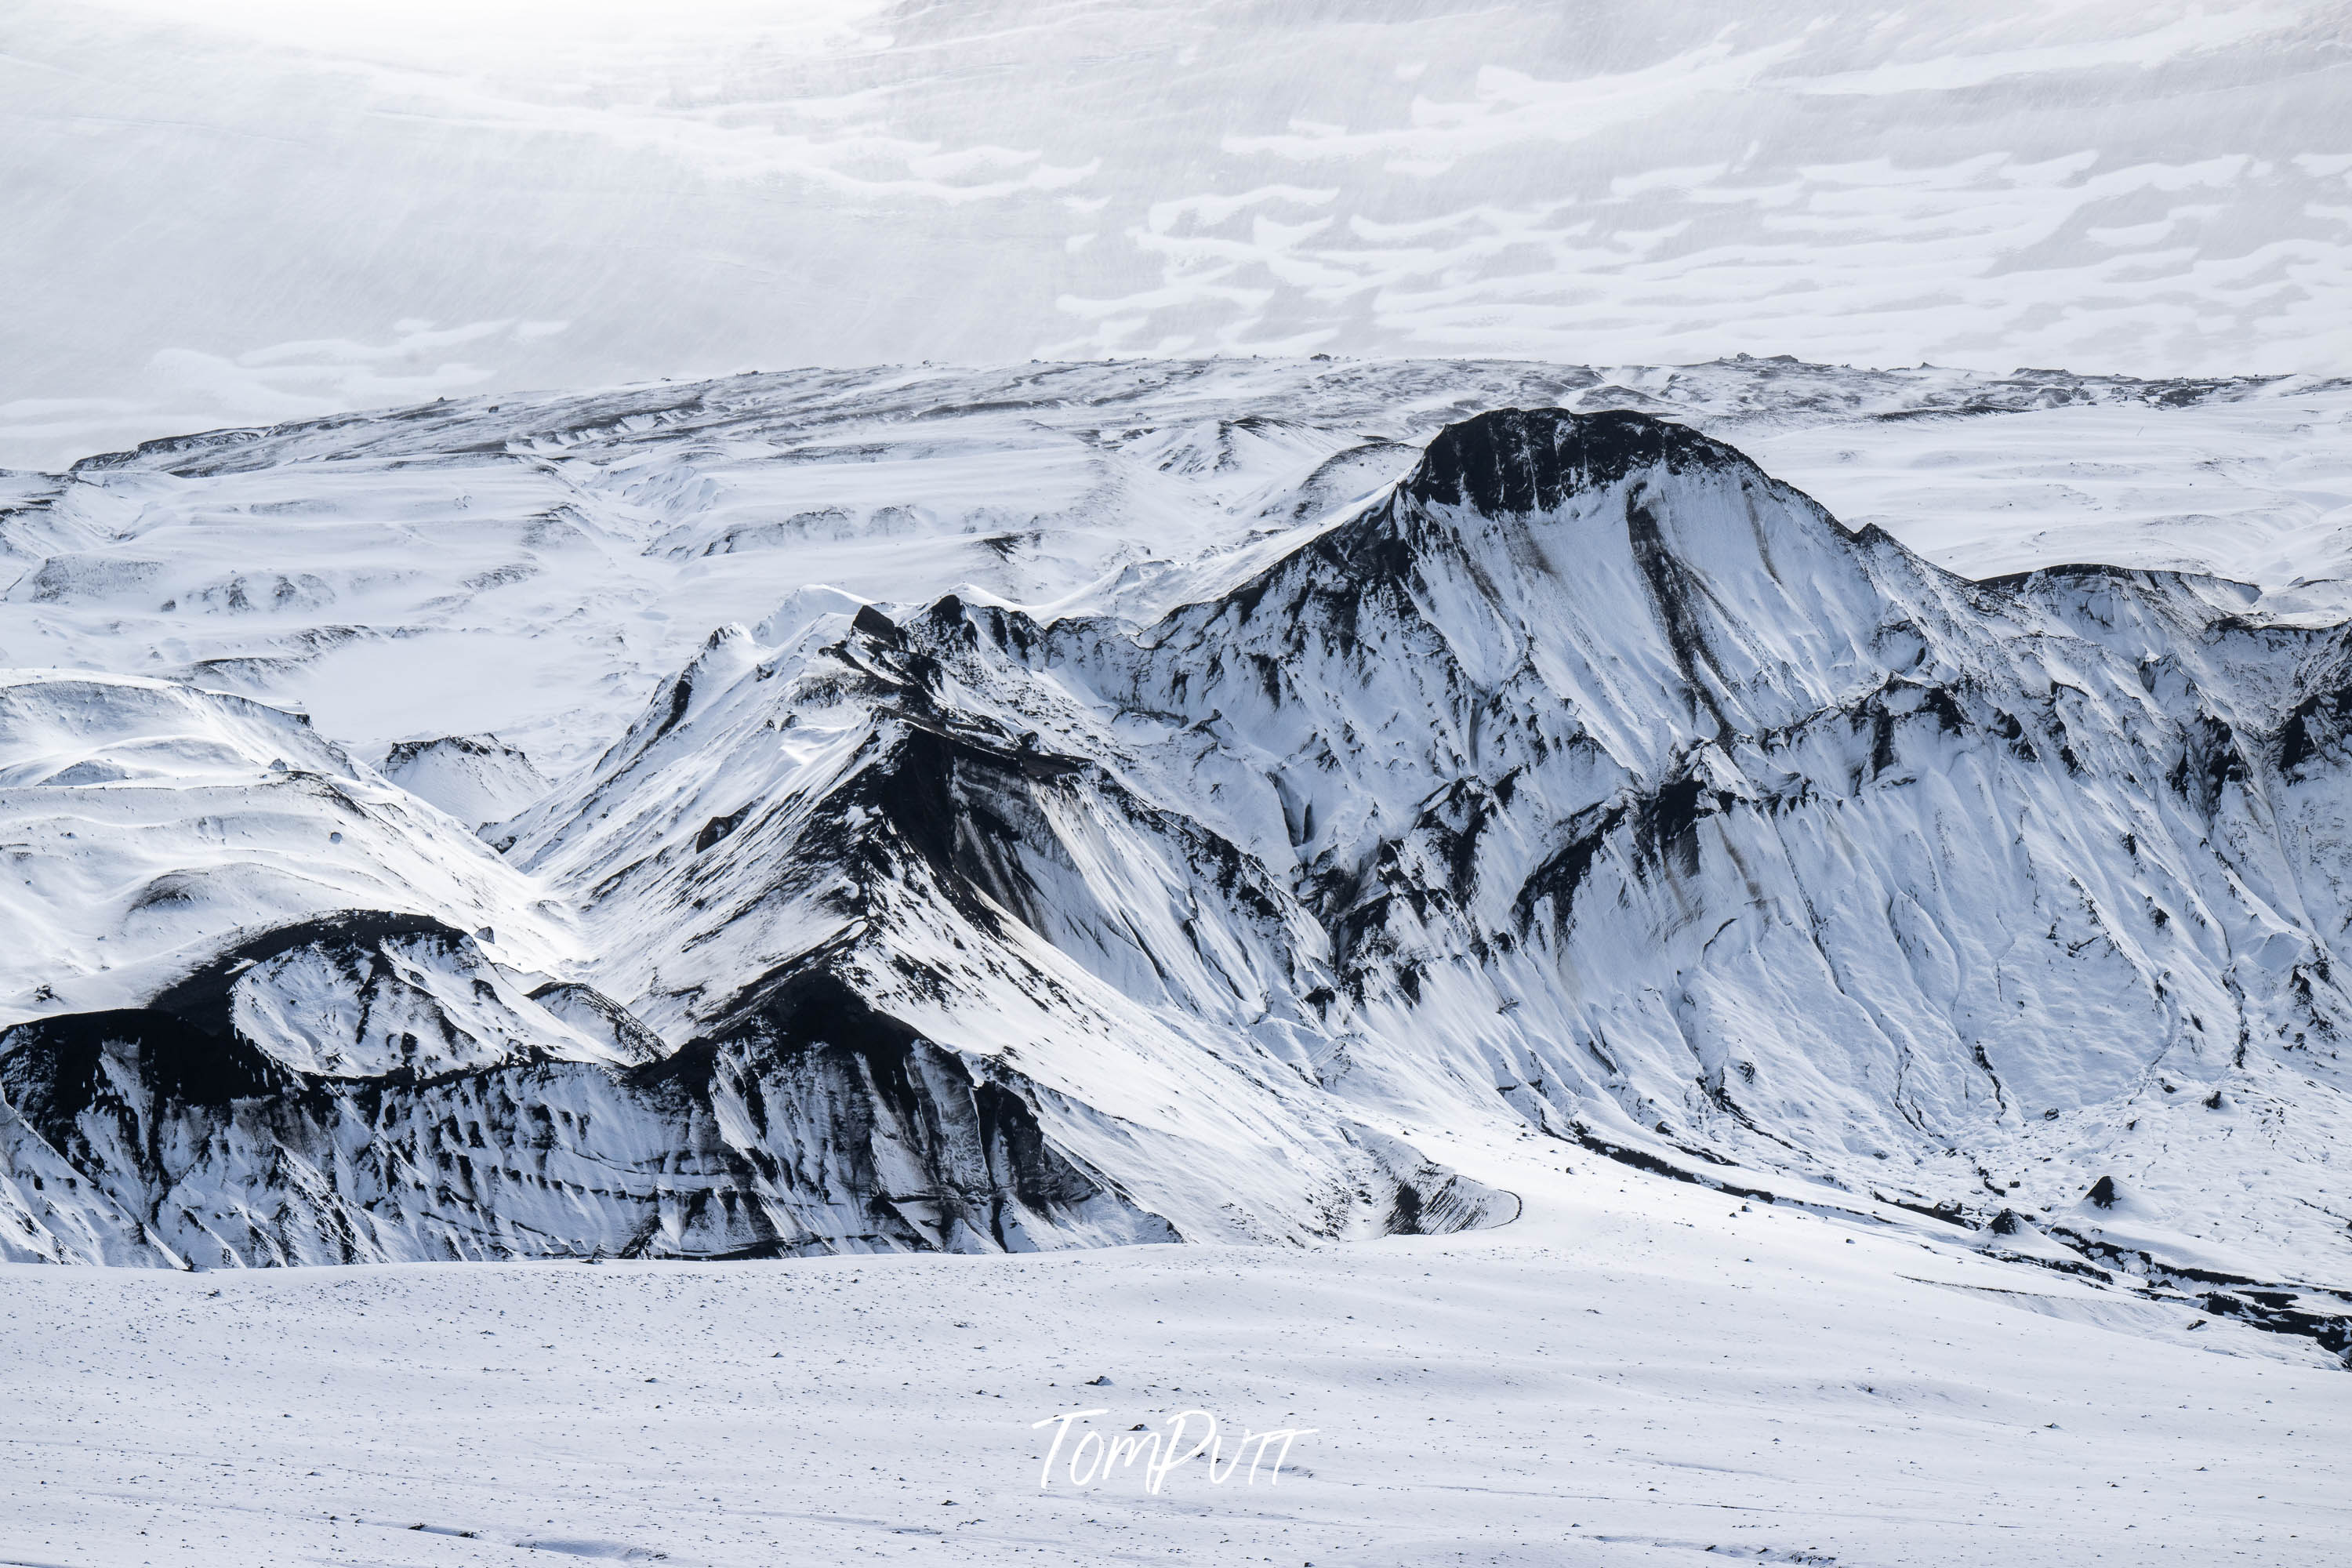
x=1736, y=957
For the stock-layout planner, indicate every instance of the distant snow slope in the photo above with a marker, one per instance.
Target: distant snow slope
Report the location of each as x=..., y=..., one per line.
x=532, y=567
x=344, y=207
x=144, y=820
x=477, y=779
x=1252, y=821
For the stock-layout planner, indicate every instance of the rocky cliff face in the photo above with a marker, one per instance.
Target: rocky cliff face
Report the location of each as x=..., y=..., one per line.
x=1588, y=777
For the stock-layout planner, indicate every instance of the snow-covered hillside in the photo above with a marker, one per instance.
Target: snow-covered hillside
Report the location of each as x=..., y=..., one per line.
x=1203, y=790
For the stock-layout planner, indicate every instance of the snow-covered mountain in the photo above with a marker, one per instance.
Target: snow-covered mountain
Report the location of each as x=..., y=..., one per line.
x=1564, y=769
x=529, y=569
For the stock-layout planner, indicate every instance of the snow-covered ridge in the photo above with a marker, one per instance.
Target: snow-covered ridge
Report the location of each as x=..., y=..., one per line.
x=1588, y=777
x=530, y=566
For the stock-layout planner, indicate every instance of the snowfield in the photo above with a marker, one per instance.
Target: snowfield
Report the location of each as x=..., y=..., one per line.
x=1732, y=958
x=1636, y=1372
x=364, y=207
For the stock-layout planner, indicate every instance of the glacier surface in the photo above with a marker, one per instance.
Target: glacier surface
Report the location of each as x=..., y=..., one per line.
x=349, y=208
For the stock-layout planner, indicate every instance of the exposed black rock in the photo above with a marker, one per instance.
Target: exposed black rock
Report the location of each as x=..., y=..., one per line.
x=861, y=1136
x=1520, y=461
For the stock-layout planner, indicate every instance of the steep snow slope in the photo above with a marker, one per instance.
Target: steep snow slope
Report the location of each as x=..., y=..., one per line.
x=1589, y=780
x=279, y=1009
x=212, y=906
x=1595, y=767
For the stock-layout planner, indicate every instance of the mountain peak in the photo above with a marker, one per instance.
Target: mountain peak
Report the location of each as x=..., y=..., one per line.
x=1531, y=460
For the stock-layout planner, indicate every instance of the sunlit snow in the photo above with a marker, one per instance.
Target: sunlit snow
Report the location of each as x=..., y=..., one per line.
x=1412, y=736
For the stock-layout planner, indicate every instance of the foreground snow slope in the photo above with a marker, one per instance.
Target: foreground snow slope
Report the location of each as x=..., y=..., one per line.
x=1636, y=1373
